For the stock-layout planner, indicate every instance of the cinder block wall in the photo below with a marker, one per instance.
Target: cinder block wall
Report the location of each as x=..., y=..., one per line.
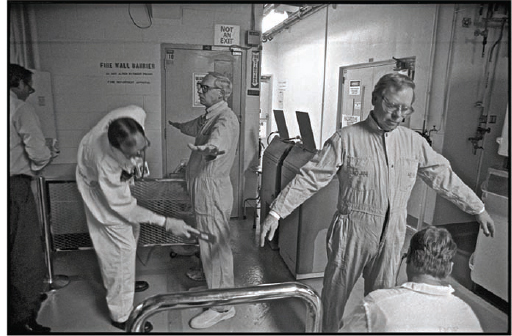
x=74, y=39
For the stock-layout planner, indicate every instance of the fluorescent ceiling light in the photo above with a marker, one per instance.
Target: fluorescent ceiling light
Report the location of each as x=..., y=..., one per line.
x=273, y=19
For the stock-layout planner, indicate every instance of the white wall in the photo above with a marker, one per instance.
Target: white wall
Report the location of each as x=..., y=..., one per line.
x=301, y=65
x=448, y=75
x=356, y=34
x=73, y=40
x=471, y=79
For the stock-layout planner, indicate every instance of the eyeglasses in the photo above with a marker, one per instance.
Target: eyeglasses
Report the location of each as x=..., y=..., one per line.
x=393, y=108
x=142, y=152
x=206, y=88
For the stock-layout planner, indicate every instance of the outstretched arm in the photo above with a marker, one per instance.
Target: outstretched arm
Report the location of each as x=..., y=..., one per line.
x=210, y=151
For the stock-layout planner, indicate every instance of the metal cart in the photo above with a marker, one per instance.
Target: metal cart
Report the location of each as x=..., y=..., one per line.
x=65, y=226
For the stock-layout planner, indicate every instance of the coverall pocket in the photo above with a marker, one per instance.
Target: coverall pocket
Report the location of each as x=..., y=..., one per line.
x=358, y=171
x=408, y=171
x=337, y=239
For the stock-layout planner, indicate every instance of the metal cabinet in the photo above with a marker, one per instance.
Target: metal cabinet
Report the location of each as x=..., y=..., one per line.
x=489, y=263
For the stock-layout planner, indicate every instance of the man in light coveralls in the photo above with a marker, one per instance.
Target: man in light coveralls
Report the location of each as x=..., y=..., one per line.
x=377, y=162
x=208, y=177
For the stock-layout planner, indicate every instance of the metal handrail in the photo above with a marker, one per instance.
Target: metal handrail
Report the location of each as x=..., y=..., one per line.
x=229, y=296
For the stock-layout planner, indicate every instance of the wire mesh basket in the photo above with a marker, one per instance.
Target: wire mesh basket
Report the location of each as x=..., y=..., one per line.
x=66, y=214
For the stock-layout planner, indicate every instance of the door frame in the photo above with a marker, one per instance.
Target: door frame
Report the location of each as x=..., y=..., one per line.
x=341, y=84
x=241, y=109
x=268, y=79
x=396, y=61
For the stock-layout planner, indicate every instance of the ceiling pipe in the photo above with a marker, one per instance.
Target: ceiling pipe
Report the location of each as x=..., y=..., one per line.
x=302, y=13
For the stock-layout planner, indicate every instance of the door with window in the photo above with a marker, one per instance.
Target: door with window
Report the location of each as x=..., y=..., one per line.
x=184, y=67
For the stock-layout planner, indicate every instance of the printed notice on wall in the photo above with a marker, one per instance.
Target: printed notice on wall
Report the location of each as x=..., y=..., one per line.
x=255, y=70
x=347, y=120
x=129, y=73
x=280, y=100
x=354, y=88
x=226, y=35
x=197, y=78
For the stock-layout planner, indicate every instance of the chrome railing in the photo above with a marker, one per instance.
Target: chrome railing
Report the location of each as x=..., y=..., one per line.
x=229, y=296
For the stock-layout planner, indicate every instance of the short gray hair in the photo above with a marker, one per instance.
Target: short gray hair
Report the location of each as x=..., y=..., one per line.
x=223, y=83
x=392, y=80
x=431, y=251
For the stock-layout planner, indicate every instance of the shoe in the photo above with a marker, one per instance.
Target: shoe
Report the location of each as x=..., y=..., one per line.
x=211, y=317
x=122, y=325
x=36, y=327
x=141, y=286
x=196, y=274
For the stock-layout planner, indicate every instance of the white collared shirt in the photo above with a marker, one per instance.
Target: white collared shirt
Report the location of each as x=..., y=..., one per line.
x=28, y=152
x=413, y=307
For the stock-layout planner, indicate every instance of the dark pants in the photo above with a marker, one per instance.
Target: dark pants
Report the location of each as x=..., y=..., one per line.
x=26, y=254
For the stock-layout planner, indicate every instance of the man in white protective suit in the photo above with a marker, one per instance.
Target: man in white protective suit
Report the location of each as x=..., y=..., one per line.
x=107, y=157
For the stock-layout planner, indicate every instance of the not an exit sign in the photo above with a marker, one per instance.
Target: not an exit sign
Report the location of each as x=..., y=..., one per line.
x=227, y=35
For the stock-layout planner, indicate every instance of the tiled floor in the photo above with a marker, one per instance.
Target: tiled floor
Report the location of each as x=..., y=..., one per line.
x=80, y=306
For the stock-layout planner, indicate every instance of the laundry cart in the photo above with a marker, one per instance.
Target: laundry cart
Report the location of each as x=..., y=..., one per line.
x=63, y=211
x=302, y=234
x=489, y=263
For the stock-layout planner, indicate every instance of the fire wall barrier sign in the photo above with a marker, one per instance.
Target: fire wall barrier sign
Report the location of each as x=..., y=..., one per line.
x=128, y=73
x=255, y=70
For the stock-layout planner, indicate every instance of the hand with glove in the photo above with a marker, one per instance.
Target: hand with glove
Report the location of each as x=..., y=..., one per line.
x=179, y=228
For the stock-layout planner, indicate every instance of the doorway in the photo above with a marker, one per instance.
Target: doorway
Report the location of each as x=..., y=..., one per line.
x=356, y=86
x=265, y=107
x=184, y=66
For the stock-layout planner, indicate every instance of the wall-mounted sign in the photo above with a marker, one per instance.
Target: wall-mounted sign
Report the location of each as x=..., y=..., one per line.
x=235, y=51
x=196, y=79
x=128, y=73
x=253, y=92
x=349, y=120
x=226, y=35
x=169, y=57
x=354, y=88
x=280, y=100
x=255, y=70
